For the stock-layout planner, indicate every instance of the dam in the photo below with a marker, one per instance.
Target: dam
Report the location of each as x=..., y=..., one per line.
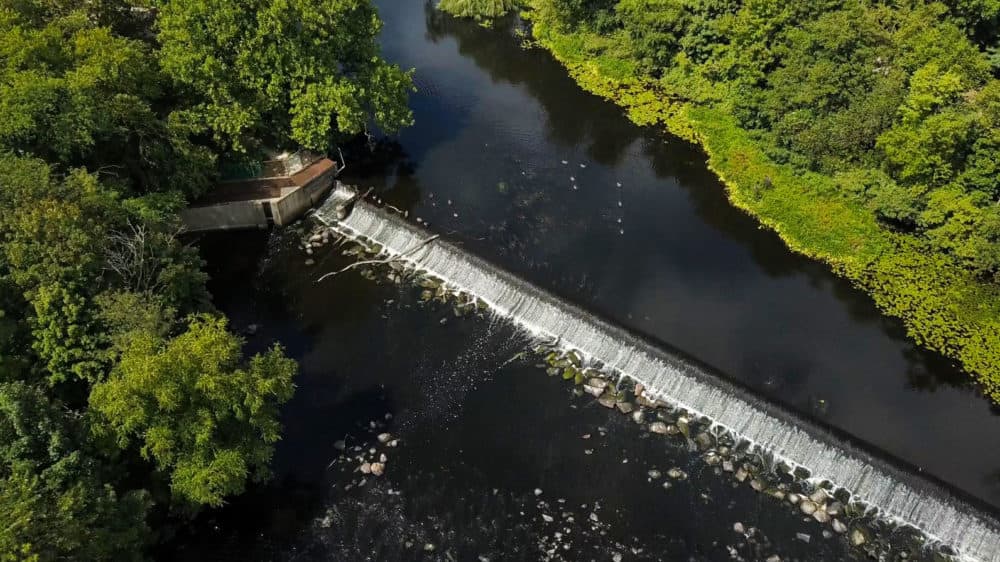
x=895, y=491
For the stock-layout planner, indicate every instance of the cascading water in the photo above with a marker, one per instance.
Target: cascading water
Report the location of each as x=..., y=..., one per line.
x=896, y=493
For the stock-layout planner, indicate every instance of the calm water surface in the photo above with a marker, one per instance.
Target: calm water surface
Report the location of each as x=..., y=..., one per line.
x=495, y=123
x=513, y=160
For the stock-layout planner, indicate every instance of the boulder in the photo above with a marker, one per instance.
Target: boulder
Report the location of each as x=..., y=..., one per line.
x=658, y=427
x=808, y=507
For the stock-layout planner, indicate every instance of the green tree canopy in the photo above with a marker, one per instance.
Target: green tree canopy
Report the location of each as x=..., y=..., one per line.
x=308, y=71
x=74, y=93
x=194, y=410
x=53, y=502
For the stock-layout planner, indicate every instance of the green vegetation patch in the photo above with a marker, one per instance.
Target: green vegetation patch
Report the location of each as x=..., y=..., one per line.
x=947, y=303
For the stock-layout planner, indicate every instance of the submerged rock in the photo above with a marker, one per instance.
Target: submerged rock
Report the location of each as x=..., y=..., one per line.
x=625, y=407
x=858, y=537
x=676, y=474
x=839, y=527
x=384, y=437
x=821, y=516
x=607, y=401
x=378, y=468
x=365, y=468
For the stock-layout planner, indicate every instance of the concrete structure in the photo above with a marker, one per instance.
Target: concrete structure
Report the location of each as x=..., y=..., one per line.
x=283, y=191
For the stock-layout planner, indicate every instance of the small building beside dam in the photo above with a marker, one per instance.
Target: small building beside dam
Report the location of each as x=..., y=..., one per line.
x=279, y=193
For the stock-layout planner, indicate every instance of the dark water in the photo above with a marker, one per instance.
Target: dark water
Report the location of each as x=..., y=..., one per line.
x=490, y=445
x=494, y=124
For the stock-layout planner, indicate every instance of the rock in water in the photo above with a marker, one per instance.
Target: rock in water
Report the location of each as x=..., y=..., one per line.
x=807, y=507
x=658, y=427
x=384, y=437
x=676, y=474
x=597, y=382
x=703, y=440
x=625, y=407
x=819, y=496
x=378, y=468
x=366, y=468
x=839, y=527
x=821, y=516
x=858, y=537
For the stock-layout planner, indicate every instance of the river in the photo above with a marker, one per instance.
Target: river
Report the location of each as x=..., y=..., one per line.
x=512, y=160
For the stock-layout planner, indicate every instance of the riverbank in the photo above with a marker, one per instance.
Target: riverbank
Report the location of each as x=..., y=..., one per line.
x=943, y=306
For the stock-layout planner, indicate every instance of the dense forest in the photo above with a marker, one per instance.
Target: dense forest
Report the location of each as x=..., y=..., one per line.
x=866, y=133
x=126, y=401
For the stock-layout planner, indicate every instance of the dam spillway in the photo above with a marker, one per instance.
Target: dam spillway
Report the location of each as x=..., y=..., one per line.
x=896, y=492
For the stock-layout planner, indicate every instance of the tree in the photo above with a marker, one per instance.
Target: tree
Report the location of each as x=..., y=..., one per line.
x=194, y=410
x=307, y=71
x=76, y=94
x=53, y=503
x=935, y=131
x=478, y=9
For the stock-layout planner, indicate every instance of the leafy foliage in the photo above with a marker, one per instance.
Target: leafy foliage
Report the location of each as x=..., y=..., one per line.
x=53, y=502
x=194, y=410
x=302, y=70
x=112, y=360
x=876, y=124
x=478, y=9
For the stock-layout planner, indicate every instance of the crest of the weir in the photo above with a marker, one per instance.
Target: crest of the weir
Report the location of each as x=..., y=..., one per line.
x=894, y=492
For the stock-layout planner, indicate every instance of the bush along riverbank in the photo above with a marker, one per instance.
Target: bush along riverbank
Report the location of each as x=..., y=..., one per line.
x=920, y=241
